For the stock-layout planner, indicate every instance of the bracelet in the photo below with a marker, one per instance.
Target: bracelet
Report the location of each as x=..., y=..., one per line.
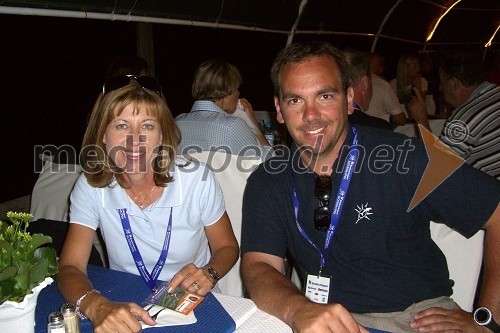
x=213, y=274
x=79, y=301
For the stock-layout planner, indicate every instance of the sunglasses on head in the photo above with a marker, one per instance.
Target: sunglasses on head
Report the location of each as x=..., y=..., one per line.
x=322, y=215
x=117, y=82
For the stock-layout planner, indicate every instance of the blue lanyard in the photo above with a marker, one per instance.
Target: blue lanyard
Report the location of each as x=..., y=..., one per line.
x=350, y=164
x=150, y=279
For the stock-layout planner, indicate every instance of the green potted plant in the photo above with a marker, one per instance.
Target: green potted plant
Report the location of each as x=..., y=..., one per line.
x=25, y=268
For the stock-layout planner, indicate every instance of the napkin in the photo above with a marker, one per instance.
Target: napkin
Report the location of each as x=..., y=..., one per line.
x=240, y=113
x=169, y=317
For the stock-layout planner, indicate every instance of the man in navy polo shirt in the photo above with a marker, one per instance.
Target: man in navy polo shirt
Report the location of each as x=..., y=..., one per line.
x=337, y=203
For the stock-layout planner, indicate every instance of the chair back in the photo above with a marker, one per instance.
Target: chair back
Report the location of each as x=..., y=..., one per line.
x=231, y=171
x=464, y=257
x=50, y=196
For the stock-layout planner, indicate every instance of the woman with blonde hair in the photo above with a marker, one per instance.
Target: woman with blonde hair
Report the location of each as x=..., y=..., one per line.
x=161, y=217
x=408, y=78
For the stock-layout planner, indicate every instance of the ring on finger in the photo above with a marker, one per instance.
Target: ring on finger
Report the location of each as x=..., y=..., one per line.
x=196, y=286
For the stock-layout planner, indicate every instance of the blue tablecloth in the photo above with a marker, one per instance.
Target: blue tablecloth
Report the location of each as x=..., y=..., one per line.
x=125, y=287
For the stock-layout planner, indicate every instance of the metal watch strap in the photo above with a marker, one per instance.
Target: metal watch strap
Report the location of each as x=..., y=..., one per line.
x=213, y=273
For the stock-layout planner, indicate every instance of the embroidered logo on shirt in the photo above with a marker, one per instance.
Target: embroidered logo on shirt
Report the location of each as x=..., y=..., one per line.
x=363, y=212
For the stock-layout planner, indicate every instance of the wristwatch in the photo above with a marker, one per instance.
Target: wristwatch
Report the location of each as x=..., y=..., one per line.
x=213, y=273
x=484, y=317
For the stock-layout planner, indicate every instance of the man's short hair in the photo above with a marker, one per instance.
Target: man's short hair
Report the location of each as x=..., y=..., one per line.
x=215, y=79
x=300, y=52
x=467, y=67
x=360, y=64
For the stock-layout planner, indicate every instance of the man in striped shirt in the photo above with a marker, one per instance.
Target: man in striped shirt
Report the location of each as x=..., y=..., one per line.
x=472, y=131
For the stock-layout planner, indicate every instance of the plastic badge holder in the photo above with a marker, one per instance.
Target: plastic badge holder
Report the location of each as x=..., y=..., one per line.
x=179, y=299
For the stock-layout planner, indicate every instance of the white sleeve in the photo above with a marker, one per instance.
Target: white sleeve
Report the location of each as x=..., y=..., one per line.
x=211, y=198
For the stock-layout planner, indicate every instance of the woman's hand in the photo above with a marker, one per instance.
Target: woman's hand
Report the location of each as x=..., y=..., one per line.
x=115, y=317
x=417, y=81
x=193, y=279
x=418, y=110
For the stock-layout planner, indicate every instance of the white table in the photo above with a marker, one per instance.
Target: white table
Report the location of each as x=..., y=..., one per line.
x=249, y=318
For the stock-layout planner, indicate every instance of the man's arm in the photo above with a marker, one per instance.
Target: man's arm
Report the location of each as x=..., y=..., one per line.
x=490, y=289
x=440, y=320
x=398, y=119
x=276, y=294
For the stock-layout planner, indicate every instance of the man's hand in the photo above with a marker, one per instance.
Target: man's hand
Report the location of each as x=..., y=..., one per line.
x=444, y=320
x=317, y=318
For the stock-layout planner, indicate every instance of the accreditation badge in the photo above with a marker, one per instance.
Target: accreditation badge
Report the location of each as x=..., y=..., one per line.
x=317, y=288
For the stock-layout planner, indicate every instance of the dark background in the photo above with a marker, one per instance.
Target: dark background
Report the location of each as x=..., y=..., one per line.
x=52, y=70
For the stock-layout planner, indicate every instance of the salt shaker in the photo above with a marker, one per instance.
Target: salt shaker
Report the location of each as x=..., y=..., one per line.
x=71, y=320
x=56, y=323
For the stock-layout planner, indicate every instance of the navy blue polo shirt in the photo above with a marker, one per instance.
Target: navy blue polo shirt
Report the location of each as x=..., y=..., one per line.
x=382, y=258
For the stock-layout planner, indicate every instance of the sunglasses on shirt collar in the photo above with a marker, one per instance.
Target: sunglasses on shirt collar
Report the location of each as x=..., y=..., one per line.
x=322, y=215
x=117, y=82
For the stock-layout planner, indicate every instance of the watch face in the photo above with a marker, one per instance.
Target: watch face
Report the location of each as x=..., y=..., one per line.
x=482, y=316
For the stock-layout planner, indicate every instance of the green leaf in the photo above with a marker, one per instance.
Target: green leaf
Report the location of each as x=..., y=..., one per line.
x=38, y=240
x=3, y=227
x=23, y=276
x=38, y=272
x=18, y=295
x=49, y=254
x=8, y=273
x=6, y=289
x=5, y=254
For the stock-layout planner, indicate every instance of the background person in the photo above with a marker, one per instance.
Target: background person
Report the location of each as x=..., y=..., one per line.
x=327, y=207
x=210, y=124
x=127, y=65
x=408, y=78
x=384, y=103
x=472, y=130
x=136, y=191
x=361, y=82
x=377, y=64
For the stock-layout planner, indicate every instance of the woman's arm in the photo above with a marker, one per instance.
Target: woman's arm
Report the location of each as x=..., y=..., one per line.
x=225, y=251
x=73, y=283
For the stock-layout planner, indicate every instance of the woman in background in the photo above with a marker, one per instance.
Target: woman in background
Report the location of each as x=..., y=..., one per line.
x=408, y=78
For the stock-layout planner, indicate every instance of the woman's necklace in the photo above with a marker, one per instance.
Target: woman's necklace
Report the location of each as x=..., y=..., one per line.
x=139, y=202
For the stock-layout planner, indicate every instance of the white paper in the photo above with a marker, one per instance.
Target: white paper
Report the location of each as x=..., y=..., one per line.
x=169, y=317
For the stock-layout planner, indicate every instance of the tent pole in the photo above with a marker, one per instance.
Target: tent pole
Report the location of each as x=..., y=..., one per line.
x=384, y=21
x=302, y=5
x=145, y=48
x=127, y=18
